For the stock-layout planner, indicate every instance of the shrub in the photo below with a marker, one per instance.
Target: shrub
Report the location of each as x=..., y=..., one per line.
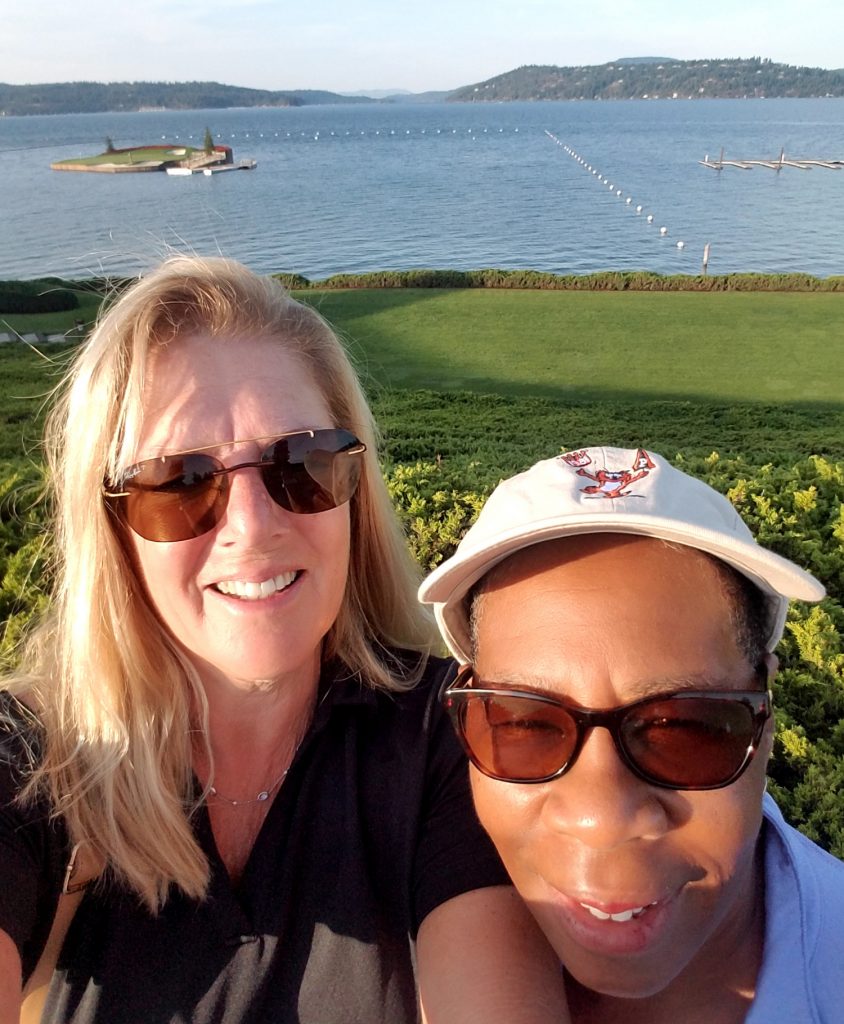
x=606, y=280
x=293, y=282
x=35, y=297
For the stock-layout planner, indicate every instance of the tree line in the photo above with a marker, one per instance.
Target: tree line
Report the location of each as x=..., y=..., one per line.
x=660, y=78
x=101, y=97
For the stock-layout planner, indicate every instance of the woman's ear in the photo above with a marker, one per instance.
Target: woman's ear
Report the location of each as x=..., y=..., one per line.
x=772, y=664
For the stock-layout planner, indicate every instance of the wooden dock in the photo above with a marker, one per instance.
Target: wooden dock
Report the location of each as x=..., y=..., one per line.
x=773, y=165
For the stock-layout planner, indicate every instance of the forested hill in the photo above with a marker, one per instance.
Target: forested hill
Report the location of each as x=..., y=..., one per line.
x=628, y=78
x=661, y=78
x=97, y=97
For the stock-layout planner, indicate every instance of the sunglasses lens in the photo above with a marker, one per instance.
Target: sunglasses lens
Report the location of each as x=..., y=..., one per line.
x=175, y=497
x=178, y=497
x=689, y=742
x=308, y=473
x=516, y=738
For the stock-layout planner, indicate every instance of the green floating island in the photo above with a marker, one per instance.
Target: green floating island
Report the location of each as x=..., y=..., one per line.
x=137, y=159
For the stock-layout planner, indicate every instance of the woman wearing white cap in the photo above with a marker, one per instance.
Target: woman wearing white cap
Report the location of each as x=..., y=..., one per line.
x=616, y=621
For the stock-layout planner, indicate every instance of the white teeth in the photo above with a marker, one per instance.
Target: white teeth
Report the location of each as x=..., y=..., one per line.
x=248, y=590
x=624, y=915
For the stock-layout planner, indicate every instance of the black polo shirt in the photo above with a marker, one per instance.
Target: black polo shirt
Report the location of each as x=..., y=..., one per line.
x=372, y=829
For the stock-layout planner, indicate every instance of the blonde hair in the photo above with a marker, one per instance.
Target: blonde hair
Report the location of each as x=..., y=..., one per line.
x=112, y=690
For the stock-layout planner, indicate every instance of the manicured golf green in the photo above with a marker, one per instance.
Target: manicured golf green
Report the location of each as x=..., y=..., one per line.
x=129, y=157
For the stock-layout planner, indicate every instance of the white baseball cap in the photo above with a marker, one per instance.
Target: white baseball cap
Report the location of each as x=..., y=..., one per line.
x=607, y=490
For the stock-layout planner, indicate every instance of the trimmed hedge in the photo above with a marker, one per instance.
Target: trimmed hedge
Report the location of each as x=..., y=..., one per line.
x=609, y=280
x=44, y=296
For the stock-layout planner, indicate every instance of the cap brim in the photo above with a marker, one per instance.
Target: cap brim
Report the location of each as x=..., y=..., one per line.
x=448, y=585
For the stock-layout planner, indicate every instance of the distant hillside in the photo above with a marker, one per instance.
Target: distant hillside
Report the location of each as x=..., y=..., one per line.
x=638, y=78
x=433, y=96
x=99, y=97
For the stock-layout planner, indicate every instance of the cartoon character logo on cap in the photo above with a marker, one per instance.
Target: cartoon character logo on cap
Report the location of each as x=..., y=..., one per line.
x=610, y=483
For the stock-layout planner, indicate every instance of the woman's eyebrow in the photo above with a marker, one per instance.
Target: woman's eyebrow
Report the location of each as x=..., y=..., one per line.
x=163, y=451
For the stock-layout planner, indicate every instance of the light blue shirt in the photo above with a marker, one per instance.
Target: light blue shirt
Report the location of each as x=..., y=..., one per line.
x=801, y=980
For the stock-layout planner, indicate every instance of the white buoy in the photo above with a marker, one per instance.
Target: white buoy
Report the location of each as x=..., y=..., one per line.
x=663, y=231
x=618, y=191
x=628, y=200
x=650, y=218
x=681, y=245
x=639, y=209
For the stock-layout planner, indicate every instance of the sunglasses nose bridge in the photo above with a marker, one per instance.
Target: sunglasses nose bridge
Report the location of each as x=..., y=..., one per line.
x=244, y=492
x=587, y=721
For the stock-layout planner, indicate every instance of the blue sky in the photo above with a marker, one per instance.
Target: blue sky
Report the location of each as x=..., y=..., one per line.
x=346, y=45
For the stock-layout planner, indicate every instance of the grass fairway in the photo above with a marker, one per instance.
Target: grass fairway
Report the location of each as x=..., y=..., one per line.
x=641, y=346
x=500, y=378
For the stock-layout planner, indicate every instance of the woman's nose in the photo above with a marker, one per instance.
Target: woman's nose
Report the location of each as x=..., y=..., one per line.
x=250, y=511
x=600, y=802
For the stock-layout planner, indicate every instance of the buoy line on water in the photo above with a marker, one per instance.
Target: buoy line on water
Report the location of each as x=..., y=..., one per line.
x=316, y=135
x=613, y=188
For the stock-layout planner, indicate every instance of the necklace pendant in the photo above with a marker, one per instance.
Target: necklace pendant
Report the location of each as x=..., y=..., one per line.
x=262, y=796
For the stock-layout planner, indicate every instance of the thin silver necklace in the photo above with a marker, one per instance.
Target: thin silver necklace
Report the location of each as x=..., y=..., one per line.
x=259, y=799
x=265, y=794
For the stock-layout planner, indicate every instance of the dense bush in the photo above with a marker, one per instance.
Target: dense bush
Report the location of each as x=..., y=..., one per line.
x=608, y=280
x=292, y=281
x=35, y=297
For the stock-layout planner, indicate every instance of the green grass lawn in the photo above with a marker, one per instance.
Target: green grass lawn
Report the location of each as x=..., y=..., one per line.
x=502, y=377
x=723, y=347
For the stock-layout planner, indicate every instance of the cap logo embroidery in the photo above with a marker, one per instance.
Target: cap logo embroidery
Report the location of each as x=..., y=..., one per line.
x=577, y=459
x=610, y=483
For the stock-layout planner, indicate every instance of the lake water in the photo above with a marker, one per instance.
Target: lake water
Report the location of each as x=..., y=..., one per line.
x=354, y=188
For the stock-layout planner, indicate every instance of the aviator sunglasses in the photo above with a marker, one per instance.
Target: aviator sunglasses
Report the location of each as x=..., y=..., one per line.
x=178, y=497
x=690, y=739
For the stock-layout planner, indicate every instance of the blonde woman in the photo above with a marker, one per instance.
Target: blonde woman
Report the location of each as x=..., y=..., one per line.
x=230, y=715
